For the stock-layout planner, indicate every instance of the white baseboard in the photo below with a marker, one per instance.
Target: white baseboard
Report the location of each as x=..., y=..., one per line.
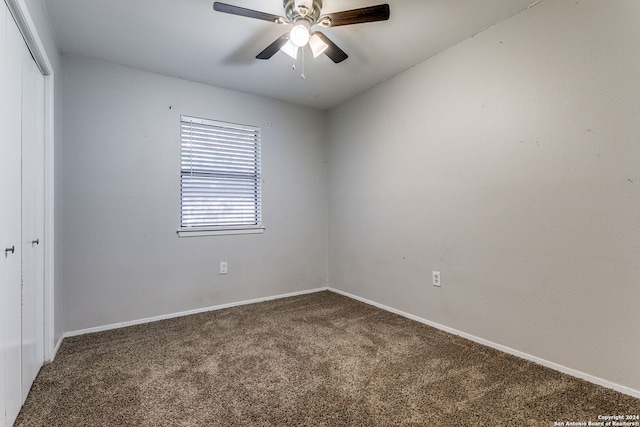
x=505, y=349
x=184, y=313
x=55, y=350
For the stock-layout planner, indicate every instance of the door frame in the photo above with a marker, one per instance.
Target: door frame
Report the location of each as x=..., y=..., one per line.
x=27, y=27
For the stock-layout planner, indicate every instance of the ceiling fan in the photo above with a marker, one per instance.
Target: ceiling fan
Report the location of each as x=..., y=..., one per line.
x=303, y=15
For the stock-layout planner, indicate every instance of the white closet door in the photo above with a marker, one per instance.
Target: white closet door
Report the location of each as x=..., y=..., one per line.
x=32, y=221
x=4, y=214
x=10, y=215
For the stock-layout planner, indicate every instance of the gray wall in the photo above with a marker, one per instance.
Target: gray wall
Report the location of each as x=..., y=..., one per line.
x=509, y=163
x=122, y=258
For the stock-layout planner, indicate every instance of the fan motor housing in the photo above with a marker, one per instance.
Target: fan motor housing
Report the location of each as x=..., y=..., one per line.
x=294, y=14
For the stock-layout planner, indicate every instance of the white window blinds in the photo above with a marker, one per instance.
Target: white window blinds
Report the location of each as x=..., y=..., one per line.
x=219, y=175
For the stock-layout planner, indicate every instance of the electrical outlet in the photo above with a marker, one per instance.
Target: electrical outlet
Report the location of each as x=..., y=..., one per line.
x=223, y=267
x=436, y=278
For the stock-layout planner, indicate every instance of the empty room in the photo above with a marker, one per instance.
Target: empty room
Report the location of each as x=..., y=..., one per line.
x=320, y=213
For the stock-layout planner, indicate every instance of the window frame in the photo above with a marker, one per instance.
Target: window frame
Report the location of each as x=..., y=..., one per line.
x=197, y=231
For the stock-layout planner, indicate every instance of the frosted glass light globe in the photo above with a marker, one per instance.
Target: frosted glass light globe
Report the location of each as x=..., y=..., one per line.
x=299, y=35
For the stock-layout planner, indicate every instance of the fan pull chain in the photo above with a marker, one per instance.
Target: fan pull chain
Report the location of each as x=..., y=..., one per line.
x=302, y=76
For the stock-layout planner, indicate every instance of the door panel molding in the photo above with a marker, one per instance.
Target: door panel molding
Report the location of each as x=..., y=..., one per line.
x=32, y=221
x=4, y=238
x=12, y=195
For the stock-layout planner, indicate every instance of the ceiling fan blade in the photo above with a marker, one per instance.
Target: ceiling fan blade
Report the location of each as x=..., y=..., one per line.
x=249, y=13
x=380, y=12
x=274, y=47
x=336, y=54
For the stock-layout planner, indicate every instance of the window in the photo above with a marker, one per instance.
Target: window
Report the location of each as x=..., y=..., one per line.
x=220, y=182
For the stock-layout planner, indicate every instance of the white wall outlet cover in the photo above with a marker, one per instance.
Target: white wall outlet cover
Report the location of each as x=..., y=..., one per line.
x=436, y=278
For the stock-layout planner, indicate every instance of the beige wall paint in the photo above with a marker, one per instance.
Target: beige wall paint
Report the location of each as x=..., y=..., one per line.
x=123, y=260
x=510, y=163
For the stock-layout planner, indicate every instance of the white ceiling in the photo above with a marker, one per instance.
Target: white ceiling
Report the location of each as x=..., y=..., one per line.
x=189, y=40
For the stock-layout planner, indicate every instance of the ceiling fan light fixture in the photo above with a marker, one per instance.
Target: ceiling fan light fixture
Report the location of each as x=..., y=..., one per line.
x=299, y=35
x=290, y=49
x=302, y=15
x=317, y=45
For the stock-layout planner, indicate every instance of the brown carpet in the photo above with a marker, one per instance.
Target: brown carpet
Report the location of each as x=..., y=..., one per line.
x=313, y=360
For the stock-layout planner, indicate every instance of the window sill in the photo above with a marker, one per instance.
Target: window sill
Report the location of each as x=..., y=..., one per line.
x=219, y=232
